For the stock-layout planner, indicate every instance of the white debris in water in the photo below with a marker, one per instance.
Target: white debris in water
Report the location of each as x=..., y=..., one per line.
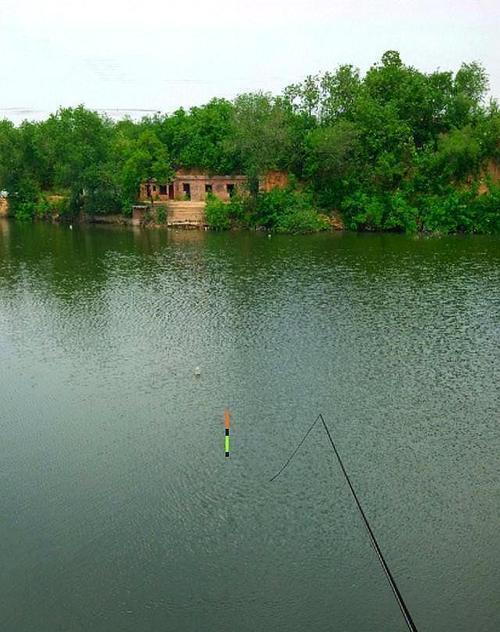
x=197, y=371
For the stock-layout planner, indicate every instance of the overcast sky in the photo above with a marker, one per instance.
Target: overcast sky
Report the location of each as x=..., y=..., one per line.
x=124, y=55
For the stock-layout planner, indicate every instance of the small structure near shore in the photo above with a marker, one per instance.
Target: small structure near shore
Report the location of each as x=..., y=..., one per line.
x=192, y=186
x=181, y=202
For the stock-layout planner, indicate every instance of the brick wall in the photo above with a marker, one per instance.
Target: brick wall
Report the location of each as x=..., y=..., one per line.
x=4, y=207
x=197, y=184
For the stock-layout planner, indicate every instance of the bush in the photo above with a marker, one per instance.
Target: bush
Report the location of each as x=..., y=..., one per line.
x=362, y=211
x=59, y=205
x=463, y=211
x=217, y=213
x=451, y=211
x=392, y=212
x=402, y=215
x=487, y=210
x=240, y=209
x=288, y=211
x=302, y=221
x=126, y=207
x=272, y=205
x=22, y=202
x=161, y=215
x=42, y=207
x=24, y=211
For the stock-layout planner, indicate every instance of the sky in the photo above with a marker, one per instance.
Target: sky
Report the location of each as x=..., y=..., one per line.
x=131, y=57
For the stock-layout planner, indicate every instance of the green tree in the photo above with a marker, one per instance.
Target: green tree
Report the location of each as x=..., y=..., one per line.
x=326, y=97
x=260, y=135
x=394, y=149
x=217, y=213
x=11, y=163
x=77, y=142
x=142, y=160
x=332, y=163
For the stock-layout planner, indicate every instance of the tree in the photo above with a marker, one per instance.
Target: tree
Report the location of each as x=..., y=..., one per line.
x=395, y=149
x=333, y=159
x=77, y=143
x=144, y=159
x=260, y=135
x=11, y=163
x=196, y=139
x=326, y=97
x=469, y=90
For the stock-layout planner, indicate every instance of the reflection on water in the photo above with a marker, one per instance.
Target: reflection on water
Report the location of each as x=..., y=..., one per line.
x=119, y=510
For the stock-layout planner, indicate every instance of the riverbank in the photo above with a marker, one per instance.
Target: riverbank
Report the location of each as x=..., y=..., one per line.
x=211, y=215
x=289, y=211
x=406, y=151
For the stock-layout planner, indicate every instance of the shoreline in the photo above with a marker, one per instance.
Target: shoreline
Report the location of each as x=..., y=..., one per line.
x=127, y=222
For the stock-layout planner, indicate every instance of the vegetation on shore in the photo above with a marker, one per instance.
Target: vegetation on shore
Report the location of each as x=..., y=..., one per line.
x=396, y=149
x=288, y=210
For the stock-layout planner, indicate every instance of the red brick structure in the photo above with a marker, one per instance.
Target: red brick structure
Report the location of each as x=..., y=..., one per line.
x=183, y=199
x=193, y=186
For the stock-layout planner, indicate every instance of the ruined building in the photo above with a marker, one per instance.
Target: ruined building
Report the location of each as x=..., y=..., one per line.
x=194, y=187
x=184, y=198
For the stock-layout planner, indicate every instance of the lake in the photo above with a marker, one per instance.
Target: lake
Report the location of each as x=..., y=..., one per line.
x=119, y=511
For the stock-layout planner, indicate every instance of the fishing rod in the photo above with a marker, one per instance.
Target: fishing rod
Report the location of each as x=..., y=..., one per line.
x=399, y=598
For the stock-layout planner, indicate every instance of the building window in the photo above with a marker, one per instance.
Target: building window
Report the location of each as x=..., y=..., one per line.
x=208, y=188
x=154, y=188
x=186, y=187
x=163, y=189
x=230, y=189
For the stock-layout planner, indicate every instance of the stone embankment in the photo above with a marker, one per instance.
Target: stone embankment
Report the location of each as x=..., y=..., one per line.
x=188, y=214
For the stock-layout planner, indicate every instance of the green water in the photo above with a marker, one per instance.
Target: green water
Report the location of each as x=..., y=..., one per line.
x=119, y=511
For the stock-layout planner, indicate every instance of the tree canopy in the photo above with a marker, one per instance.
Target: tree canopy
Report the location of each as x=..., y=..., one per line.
x=395, y=149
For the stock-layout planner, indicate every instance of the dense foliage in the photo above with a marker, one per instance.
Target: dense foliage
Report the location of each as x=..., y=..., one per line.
x=395, y=149
x=217, y=213
x=286, y=210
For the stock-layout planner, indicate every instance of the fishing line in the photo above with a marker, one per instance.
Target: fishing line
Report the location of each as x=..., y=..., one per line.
x=399, y=598
x=296, y=449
